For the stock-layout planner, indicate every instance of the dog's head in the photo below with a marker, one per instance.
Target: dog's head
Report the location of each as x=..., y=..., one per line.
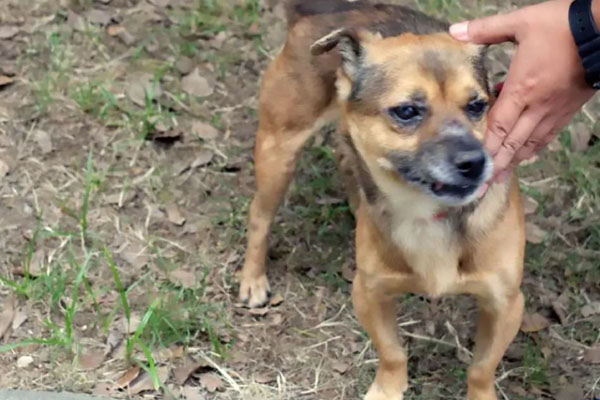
x=415, y=107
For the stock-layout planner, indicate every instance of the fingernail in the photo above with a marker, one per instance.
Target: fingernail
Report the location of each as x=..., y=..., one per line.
x=460, y=31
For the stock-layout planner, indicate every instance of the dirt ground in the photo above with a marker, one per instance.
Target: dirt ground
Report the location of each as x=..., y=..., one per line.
x=126, y=133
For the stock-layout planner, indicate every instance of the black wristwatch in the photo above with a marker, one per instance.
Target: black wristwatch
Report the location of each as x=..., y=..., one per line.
x=587, y=37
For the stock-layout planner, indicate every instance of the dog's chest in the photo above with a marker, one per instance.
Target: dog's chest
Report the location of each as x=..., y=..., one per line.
x=432, y=254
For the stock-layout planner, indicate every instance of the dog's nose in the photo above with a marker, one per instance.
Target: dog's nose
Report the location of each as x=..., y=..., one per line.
x=470, y=163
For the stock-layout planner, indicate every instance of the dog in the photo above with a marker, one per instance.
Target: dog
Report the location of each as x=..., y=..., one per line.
x=410, y=104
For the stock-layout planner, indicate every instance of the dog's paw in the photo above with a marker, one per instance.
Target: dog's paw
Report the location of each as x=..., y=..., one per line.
x=376, y=392
x=255, y=292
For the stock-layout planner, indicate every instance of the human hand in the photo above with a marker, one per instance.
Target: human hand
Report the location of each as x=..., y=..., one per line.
x=545, y=84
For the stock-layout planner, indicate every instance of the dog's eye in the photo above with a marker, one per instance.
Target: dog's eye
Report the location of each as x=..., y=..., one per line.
x=406, y=113
x=475, y=108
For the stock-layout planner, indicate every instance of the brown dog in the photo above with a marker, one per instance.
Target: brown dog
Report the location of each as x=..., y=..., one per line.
x=411, y=105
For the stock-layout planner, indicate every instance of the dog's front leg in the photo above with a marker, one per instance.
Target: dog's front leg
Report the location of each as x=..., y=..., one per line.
x=377, y=314
x=499, y=323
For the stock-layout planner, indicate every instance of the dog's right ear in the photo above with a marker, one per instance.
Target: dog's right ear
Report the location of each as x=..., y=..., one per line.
x=350, y=43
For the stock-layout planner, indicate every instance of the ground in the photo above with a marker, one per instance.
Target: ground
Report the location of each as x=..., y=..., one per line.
x=126, y=133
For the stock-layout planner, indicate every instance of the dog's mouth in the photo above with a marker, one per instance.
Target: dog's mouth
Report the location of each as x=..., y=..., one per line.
x=443, y=189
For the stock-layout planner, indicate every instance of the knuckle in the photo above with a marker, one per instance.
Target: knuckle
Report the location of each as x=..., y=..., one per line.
x=511, y=145
x=498, y=129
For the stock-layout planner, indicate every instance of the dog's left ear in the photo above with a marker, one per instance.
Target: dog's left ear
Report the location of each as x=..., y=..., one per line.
x=350, y=43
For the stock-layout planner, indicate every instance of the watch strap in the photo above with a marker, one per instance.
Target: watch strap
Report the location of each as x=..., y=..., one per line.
x=587, y=37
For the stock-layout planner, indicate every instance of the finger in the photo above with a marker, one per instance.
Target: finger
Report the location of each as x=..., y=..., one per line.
x=540, y=137
x=490, y=30
x=513, y=142
x=502, y=118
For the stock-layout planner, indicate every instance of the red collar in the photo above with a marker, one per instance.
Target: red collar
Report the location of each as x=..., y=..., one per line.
x=440, y=216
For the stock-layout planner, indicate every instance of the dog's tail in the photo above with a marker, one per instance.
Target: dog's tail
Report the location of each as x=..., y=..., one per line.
x=296, y=9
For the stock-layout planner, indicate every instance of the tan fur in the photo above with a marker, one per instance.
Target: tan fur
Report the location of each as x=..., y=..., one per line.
x=400, y=246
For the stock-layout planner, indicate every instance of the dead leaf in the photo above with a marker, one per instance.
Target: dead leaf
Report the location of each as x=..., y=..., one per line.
x=143, y=87
x=196, y=85
x=43, y=140
x=122, y=33
x=24, y=361
x=8, y=313
x=19, y=318
x=590, y=309
x=4, y=168
x=96, y=16
x=176, y=352
x=174, y=215
x=276, y=319
x=75, y=21
x=580, y=137
x=183, y=278
x=131, y=326
x=91, y=359
x=211, y=382
x=340, y=367
x=183, y=372
x=348, y=272
x=203, y=158
x=121, y=198
x=144, y=382
x=128, y=376
x=592, y=355
x=530, y=205
x=259, y=312
x=102, y=389
x=534, y=233
x=8, y=32
x=135, y=254
x=276, y=300
x=184, y=65
x=5, y=80
x=113, y=339
x=204, y=131
x=192, y=393
x=265, y=378
x=561, y=311
x=571, y=392
x=534, y=322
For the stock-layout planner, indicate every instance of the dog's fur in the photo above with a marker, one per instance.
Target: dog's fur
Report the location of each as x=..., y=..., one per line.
x=411, y=236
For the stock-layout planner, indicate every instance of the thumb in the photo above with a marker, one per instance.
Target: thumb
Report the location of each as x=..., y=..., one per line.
x=490, y=30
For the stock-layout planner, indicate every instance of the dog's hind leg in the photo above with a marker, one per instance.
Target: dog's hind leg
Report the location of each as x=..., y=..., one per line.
x=292, y=107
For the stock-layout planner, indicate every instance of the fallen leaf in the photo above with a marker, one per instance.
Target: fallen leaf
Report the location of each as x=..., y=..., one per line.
x=4, y=168
x=340, y=367
x=276, y=300
x=129, y=375
x=122, y=33
x=571, y=392
x=121, y=198
x=534, y=322
x=348, y=272
x=183, y=278
x=98, y=17
x=19, y=318
x=144, y=383
x=113, y=339
x=590, y=309
x=8, y=32
x=102, y=389
x=530, y=205
x=91, y=359
x=203, y=158
x=204, y=131
x=196, y=85
x=534, y=233
x=24, y=361
x=174, y=215
x=131, y=326
x=580, y=137
x=592, y=355
x=43, y=140
x=192, y=393
x=561, y=311
x=184, y=65
x=5, y=80
x=75, y=21
x=141, y=87
x=259, y=312
x=211, y=382
x=265, y=378
x=183, y=372
x=8, y=313
x=176, y=352
x=135, y=254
